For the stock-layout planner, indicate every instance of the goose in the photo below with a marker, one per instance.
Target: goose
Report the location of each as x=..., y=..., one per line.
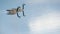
x=16, y=10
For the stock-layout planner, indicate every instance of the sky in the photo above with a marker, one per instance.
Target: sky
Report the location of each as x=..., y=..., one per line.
x=42, y=17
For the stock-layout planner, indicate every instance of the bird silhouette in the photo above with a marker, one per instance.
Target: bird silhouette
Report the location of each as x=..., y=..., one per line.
x=16, y=10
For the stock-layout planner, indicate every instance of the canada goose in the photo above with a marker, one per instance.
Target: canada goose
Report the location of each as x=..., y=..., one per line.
x=16, y=10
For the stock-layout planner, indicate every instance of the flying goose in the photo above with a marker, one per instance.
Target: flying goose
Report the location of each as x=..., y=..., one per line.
x=16, y=10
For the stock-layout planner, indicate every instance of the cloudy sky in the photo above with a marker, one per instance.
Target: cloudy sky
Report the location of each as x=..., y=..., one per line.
x=42, y=17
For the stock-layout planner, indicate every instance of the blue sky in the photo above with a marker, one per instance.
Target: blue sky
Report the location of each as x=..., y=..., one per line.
x=42, y=17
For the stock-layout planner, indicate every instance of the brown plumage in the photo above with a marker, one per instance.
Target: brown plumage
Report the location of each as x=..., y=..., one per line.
x=13, y=11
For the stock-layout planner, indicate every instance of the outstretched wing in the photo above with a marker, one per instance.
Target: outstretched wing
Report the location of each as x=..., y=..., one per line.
x=18, y=15
x=18, y=9
x=23, y=6
x=23, y=13
x=23, y=9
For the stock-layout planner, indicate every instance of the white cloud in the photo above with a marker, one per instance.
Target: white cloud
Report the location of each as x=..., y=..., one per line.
x=47, y=22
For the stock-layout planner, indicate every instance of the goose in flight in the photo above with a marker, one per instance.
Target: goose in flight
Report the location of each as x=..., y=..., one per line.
x=16, y=10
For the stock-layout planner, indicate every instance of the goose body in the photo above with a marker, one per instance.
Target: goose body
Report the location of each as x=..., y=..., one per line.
x=16, y=10
x=13, y=11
